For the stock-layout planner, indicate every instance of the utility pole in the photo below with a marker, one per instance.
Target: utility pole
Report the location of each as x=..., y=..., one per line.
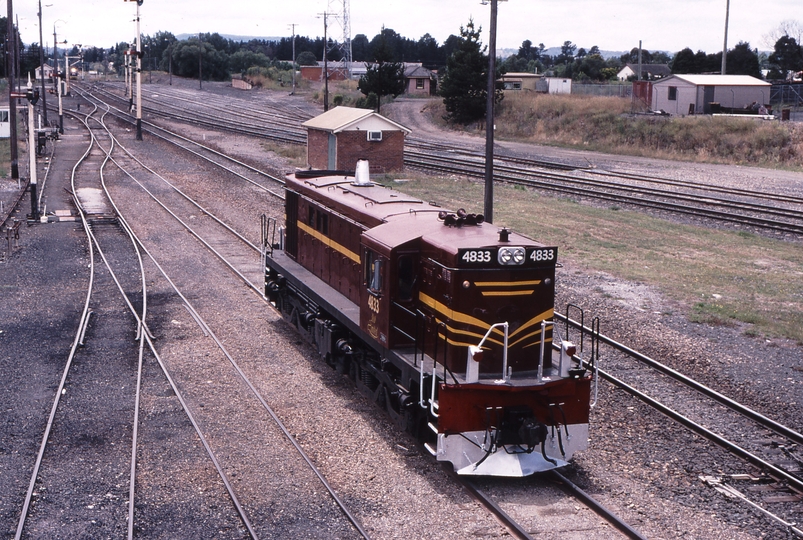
x=139, y=77
x=42, y=64
x=200, y=66
x=489, y=116
x=325, y=68
x=725, y=46
x=12, y=106
x=170, y=61
x=293, y=62
x=639, y=61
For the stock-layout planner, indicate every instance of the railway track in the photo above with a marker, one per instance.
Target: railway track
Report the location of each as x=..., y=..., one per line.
x=221, y=240
x=731, y=444
x=99, y=201
x=608, y=516
x=781, y=214
x=773, y=448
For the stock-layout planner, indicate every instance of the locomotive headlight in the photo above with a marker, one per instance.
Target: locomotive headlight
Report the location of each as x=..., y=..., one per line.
x=509, y=256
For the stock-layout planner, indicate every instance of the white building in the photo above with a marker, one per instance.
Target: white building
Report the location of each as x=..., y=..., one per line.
x=554, y=85
x=706, y=94
x=5, y=124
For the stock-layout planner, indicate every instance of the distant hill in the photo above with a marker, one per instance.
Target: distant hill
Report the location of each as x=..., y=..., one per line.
x=233, y=37
x=555, y=51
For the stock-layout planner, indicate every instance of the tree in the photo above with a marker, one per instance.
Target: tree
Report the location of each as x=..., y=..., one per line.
x=632, y=57
x=306, y=58
x=742, y=60
x=566, y=55
x=528, y=52
x=592, y=67
x=240, y=61
x=360, y=48
x=788, y=55
x=385, y=78
x=684, y=62
x=464, y=85
x=429, y=52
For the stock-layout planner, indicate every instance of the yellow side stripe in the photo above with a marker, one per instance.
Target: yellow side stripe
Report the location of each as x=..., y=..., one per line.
x=329, y=242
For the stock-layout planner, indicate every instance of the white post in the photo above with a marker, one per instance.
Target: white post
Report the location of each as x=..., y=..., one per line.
x=61, y=110
x=32, y=153
x=67, y=75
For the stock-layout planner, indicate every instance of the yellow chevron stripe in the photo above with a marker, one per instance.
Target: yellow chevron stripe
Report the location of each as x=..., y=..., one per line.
x=508, y=293
x=506, y=283
x=474, y=335
x=468, y=319
x=453, y=315
x=535, y=320
x=328, y=241
x=522, y=338
x=456, y=343
x=549, y=340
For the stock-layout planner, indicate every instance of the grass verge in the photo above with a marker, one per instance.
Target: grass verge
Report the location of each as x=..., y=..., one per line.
x=606, y=124
x=720, y=277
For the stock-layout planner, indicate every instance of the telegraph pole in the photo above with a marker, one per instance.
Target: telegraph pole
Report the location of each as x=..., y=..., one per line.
x=293, y=62
x=139, y=77
x=489, y=117
x=200, y=65
x=325, y=68
x=42, y=63
x=725, y=46
x=12, y=106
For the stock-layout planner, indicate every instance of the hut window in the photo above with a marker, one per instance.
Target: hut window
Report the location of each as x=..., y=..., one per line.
x=673, y=93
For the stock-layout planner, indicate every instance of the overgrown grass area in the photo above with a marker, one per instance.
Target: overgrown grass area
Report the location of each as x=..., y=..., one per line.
x=5, y=157
x=297, y=155
x=720, y=277
x=606, y=124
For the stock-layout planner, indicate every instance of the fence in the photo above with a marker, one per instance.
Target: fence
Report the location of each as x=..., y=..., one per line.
x=788, y=95
x=610, y=90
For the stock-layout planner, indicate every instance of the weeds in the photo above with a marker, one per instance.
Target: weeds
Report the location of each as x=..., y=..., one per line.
x=607, y=124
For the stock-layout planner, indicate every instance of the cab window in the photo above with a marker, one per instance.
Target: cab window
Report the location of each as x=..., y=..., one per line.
x=373, y=272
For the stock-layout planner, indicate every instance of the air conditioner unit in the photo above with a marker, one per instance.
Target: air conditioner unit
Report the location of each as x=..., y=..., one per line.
x=374, y=135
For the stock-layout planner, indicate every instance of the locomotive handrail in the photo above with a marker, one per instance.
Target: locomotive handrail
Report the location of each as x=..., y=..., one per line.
x=505, y=374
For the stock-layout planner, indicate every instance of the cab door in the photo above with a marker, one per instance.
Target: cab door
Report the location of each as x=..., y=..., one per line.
x=374, y=297
x=403, y=307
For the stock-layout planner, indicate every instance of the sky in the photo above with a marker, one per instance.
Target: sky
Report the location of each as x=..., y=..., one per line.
x=615, y=25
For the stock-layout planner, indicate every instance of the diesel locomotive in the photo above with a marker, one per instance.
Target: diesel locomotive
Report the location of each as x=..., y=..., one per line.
x=445, y=321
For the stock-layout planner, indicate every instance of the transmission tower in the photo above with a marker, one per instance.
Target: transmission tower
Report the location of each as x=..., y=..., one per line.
x=340, y=14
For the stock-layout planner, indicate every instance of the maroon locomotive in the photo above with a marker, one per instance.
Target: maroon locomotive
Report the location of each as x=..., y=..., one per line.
x=445, y=321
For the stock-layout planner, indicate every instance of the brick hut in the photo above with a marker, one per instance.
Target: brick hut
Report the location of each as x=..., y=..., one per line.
x=338, y=138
